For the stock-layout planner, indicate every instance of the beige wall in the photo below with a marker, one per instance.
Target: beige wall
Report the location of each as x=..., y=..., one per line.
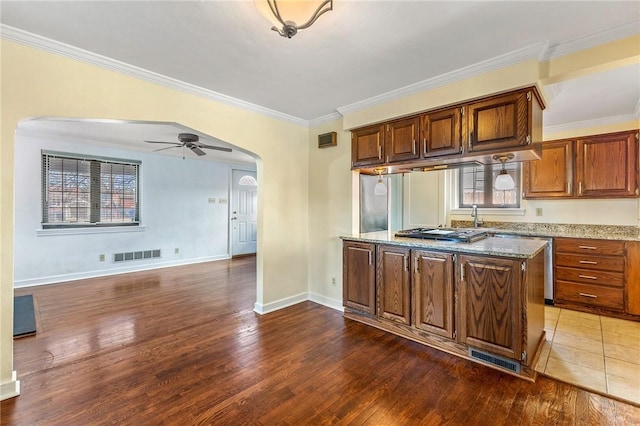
x=36, y=83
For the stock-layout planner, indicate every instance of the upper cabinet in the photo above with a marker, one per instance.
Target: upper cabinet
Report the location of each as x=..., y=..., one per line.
x=607, y=165
x=441, y=132
x=468, y=132
x=367, y=146
x=600, y=166
x=402, y=139
x=499, y=122
x=552, y=175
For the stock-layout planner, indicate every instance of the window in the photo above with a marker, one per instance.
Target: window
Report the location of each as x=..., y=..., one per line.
x=475, y=186
x=79, y=191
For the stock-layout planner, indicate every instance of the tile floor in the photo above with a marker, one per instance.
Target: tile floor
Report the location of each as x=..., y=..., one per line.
x=593, y=352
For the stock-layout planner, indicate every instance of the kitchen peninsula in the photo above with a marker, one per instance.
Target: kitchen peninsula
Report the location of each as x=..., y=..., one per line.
x=482, y=301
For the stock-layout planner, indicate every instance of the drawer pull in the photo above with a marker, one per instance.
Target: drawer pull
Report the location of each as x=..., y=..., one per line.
x=593, y=296
x=588, y=262
x=591, y=277
x=588, y=247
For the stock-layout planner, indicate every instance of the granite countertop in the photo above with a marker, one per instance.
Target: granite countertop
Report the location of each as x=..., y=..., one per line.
x=599, y=232
x=520, y=248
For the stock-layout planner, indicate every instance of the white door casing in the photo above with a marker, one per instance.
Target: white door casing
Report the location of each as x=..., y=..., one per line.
x=244, y=208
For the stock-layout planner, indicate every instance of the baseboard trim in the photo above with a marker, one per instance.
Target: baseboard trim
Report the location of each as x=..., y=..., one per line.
x=10, y=389
x=326, y=301
x=280, y=304
x=116, y=271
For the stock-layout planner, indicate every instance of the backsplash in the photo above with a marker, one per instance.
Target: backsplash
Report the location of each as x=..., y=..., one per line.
x=609, y=232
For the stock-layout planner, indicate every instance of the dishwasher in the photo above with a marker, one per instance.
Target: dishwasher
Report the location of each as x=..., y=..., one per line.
x=548, y=262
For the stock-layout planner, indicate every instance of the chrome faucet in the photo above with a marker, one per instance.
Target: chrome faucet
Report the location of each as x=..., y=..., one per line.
x=474, y=215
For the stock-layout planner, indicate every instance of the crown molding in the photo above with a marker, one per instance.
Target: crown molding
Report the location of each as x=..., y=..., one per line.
x=488, y=65
x=591, y=40
x=42, y=43
x=578, y=125
x=325, y=119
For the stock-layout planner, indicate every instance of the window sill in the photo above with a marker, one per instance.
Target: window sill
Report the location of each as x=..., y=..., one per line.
x=490, y=212
x=90, y=230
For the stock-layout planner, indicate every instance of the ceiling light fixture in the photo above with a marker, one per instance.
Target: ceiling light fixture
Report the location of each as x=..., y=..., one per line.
x=289, y=27
x=380, y=188
x=504, y=181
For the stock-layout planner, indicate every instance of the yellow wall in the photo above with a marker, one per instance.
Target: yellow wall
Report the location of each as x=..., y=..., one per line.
x=36, y=83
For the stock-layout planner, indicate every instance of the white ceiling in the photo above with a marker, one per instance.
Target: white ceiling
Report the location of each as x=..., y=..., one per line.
x=360, y=50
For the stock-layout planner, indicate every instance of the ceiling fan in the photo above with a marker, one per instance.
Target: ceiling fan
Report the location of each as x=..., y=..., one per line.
x=189, y=140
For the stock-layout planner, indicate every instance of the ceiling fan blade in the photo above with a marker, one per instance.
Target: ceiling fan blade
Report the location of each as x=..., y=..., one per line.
x=198, y=151
x=219, y=148
x=162, y=149
x=168, y=143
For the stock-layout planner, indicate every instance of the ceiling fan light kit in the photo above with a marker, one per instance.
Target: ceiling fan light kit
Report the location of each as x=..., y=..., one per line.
x=289, y=27
x=191, y=141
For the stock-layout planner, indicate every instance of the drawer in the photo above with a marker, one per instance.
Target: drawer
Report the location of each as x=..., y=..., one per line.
x=590, y=277
x=579, y=245
x=590, y=295
x=601, y=263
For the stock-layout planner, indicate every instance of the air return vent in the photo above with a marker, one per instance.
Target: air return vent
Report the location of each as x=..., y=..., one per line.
x=501, y=362
x=136, y=255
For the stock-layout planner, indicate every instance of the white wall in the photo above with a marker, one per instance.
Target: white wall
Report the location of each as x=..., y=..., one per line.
x=175, y=213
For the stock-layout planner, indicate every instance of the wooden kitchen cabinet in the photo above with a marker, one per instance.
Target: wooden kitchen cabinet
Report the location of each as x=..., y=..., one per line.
x=607, y=165
x=589, y=274
x=433, y=296
x=490, y=305
x=394, y=283
x=501, y=122
x=633, y=278
x=441, y=132
x=552, y=175
x=402, y=140
x=367, y=146
x=359, y=276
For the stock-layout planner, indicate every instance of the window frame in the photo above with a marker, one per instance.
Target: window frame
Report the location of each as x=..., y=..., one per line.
x=490, y=171
x=95, y=178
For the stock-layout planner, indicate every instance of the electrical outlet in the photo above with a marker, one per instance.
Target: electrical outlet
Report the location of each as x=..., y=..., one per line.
x=177, y=250
x=102, y=258
x=538, y=211
x=333, y=281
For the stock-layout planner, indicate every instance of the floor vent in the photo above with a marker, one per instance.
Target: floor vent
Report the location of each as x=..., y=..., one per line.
x=501, y=362
x=136, y=255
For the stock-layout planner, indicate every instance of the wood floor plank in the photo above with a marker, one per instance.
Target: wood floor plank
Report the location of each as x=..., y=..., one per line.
x=183, y=346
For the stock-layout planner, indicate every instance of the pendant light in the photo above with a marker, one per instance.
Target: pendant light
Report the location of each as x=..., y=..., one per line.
x=504, y=181
x=380, y=188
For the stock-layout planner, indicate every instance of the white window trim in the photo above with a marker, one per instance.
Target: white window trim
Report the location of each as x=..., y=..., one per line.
x=492, y=211
x=49, y=232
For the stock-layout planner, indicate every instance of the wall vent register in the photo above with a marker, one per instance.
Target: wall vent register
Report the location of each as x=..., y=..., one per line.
x=136, y=255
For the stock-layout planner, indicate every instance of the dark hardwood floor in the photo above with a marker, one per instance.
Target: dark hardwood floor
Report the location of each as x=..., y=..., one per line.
x=183, y=346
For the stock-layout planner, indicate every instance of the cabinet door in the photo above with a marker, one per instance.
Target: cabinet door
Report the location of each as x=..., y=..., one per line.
x=552, y=175
x=500, y=122
x=633, y=278
x=394, y=284
x=367, y=146
x=359, y=279
x=402, y=141
x=433, y=292
x=607, y=165
x=441, y=132
x=490, y=308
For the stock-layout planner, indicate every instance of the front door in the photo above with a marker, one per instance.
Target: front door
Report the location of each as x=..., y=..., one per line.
x=244, y=208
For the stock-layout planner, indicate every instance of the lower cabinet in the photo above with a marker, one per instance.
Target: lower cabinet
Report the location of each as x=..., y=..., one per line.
x=359, y=276
x=433, y=292
x=394, y=283
x=449, y=301
x=490, y=305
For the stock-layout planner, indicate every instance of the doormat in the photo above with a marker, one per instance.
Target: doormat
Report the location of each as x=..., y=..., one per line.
x=24, y=319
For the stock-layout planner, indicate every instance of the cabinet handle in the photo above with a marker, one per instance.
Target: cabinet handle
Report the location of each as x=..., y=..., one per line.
x=588, y=262
x=424, y=146
x=579, y=187
x=406, y=263
x=588, y=247
x=414, y=147
x=417, y=263
x=369, y=258
x=593, y=296
x=462, y=272
x=590, y=277
x=569, y=187
x=379, y=152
